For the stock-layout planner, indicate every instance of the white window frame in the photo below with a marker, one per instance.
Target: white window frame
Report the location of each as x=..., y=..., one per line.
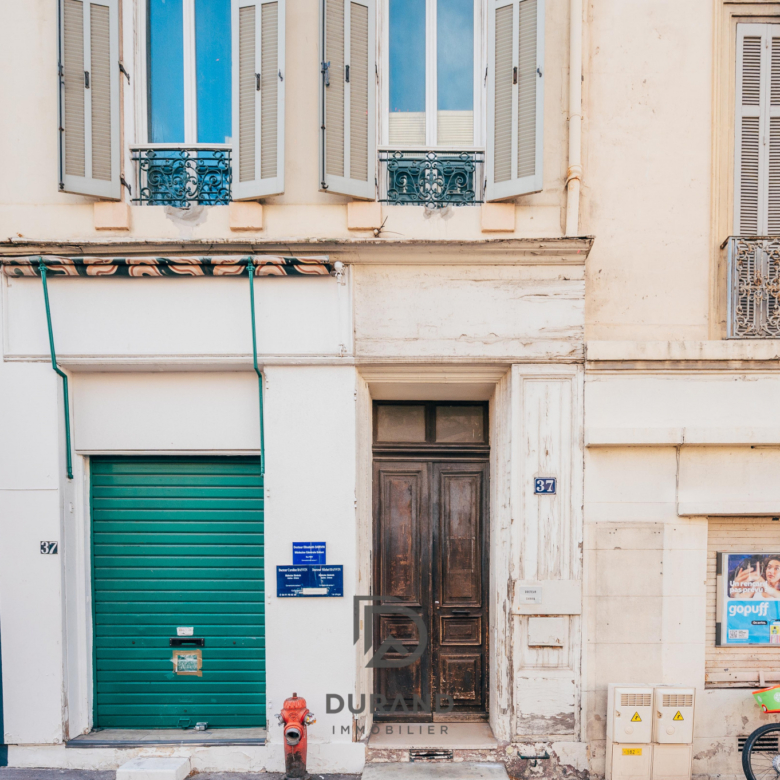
x=190, y=80
x=431, y=90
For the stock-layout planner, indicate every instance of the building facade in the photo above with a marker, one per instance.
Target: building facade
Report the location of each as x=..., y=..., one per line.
x=469, y=304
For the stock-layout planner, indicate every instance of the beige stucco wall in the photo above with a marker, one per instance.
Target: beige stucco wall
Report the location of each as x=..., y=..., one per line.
x=648, y=114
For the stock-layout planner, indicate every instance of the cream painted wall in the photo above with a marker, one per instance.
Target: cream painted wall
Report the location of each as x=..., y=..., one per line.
x=32, y=207
x=311, y=444
x=488, y=312
x=31, y=595
x=166, y=412
x=120, y=319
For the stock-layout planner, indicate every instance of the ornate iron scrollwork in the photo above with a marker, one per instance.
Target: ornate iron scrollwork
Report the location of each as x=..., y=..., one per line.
x=754, y=278
x=433, y=179
x=184, y=177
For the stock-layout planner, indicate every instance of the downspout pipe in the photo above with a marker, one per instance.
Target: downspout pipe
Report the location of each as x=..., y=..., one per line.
x=59, y=371
x=574, y=174
x=251, y=271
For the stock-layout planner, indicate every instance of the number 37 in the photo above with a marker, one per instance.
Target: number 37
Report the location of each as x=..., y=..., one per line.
x=545, y=486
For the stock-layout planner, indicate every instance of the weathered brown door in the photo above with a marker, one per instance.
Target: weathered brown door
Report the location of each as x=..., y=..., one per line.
x=430, y=546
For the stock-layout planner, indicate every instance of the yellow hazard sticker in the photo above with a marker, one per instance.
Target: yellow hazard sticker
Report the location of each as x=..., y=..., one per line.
x=636, y=718
x=632, y=751
x=678, y=716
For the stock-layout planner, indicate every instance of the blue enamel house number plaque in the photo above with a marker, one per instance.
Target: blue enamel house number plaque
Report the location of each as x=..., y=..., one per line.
x=545, y=486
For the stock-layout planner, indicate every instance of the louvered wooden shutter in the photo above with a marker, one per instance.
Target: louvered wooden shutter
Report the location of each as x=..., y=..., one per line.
x=515, y=98
x=258, y=98
x=348, y=103
x=757, y=132
x=89, y=97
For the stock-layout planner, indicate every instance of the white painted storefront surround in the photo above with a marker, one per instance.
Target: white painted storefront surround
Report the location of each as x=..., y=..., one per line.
x=163, y=366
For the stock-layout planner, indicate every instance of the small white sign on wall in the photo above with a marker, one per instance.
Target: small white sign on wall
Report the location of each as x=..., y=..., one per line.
x=185, y=631
x=529, y=595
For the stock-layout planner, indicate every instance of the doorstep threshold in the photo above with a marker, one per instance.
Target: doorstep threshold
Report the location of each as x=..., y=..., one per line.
x=475, y=735
x=134, y=738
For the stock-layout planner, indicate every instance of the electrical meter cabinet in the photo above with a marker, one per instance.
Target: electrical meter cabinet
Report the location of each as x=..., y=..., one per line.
x=629, y=732
x=630, y=714
x=673, y=721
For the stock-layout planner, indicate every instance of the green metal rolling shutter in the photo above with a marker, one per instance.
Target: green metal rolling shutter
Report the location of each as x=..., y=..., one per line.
x=177, y=543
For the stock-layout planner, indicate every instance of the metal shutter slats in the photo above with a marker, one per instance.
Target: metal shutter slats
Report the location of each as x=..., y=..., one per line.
x=246, y=92
x=358, y=92
x=269, y=98
x=750, y=147
x=526, y=90
x=348, y=98
x=73, y=78
x=503, y=103
x=334, y=94
x=178, y=542
x=100, y=84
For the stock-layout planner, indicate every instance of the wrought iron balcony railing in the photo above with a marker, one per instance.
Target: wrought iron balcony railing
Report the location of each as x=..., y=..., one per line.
x=432, y=179
x=183, y=176
x=754, y=287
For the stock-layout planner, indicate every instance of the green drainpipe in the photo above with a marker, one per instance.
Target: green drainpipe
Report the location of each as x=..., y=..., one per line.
x=251, y=270
x=54, y=365
x=3, y=747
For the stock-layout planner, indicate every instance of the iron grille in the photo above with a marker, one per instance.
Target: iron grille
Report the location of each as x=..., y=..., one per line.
x=767, y=743
x=754, y=288
x=636, y=699
x=432, y=179
x=677, y=700
x=430, y=755
x=183, y=176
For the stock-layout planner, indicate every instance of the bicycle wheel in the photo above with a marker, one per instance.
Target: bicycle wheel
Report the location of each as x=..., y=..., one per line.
x=761, y=754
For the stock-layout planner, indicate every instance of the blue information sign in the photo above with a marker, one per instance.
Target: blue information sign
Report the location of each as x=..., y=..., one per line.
x=309, y=553
x=308, y=581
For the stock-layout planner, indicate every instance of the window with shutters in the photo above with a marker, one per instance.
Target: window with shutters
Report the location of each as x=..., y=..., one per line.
x=189, y=115
x=213, y=94
x=754, y=249
x=461, y=100
x=432, y=132
x=757, y=131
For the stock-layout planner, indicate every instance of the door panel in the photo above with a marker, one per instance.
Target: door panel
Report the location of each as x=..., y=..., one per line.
x=430, y=545
x=459, y=585
x=402, y=535
x=459, y=511
x=402, y=532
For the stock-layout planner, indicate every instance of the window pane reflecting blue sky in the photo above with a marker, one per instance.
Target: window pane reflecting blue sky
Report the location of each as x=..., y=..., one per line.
x=166, y=72
x=213, y=66
x=455, y=55
x=407, y=55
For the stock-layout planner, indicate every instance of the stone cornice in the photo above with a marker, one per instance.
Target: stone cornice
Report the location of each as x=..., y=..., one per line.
x=492, y=251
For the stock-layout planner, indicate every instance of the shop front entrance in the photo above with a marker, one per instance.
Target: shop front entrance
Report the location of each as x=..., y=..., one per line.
x=431, y=556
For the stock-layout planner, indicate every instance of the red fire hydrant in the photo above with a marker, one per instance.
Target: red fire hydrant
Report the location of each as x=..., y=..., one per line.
x=295, y=717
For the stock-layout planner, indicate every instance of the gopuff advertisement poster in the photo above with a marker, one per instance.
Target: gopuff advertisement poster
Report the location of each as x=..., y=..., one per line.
x=748, y=598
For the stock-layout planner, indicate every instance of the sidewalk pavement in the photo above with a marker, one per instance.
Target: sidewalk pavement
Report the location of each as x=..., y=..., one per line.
x=8, y=773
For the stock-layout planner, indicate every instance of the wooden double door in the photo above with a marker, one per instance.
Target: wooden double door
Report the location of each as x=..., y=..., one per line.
x=430, y=543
